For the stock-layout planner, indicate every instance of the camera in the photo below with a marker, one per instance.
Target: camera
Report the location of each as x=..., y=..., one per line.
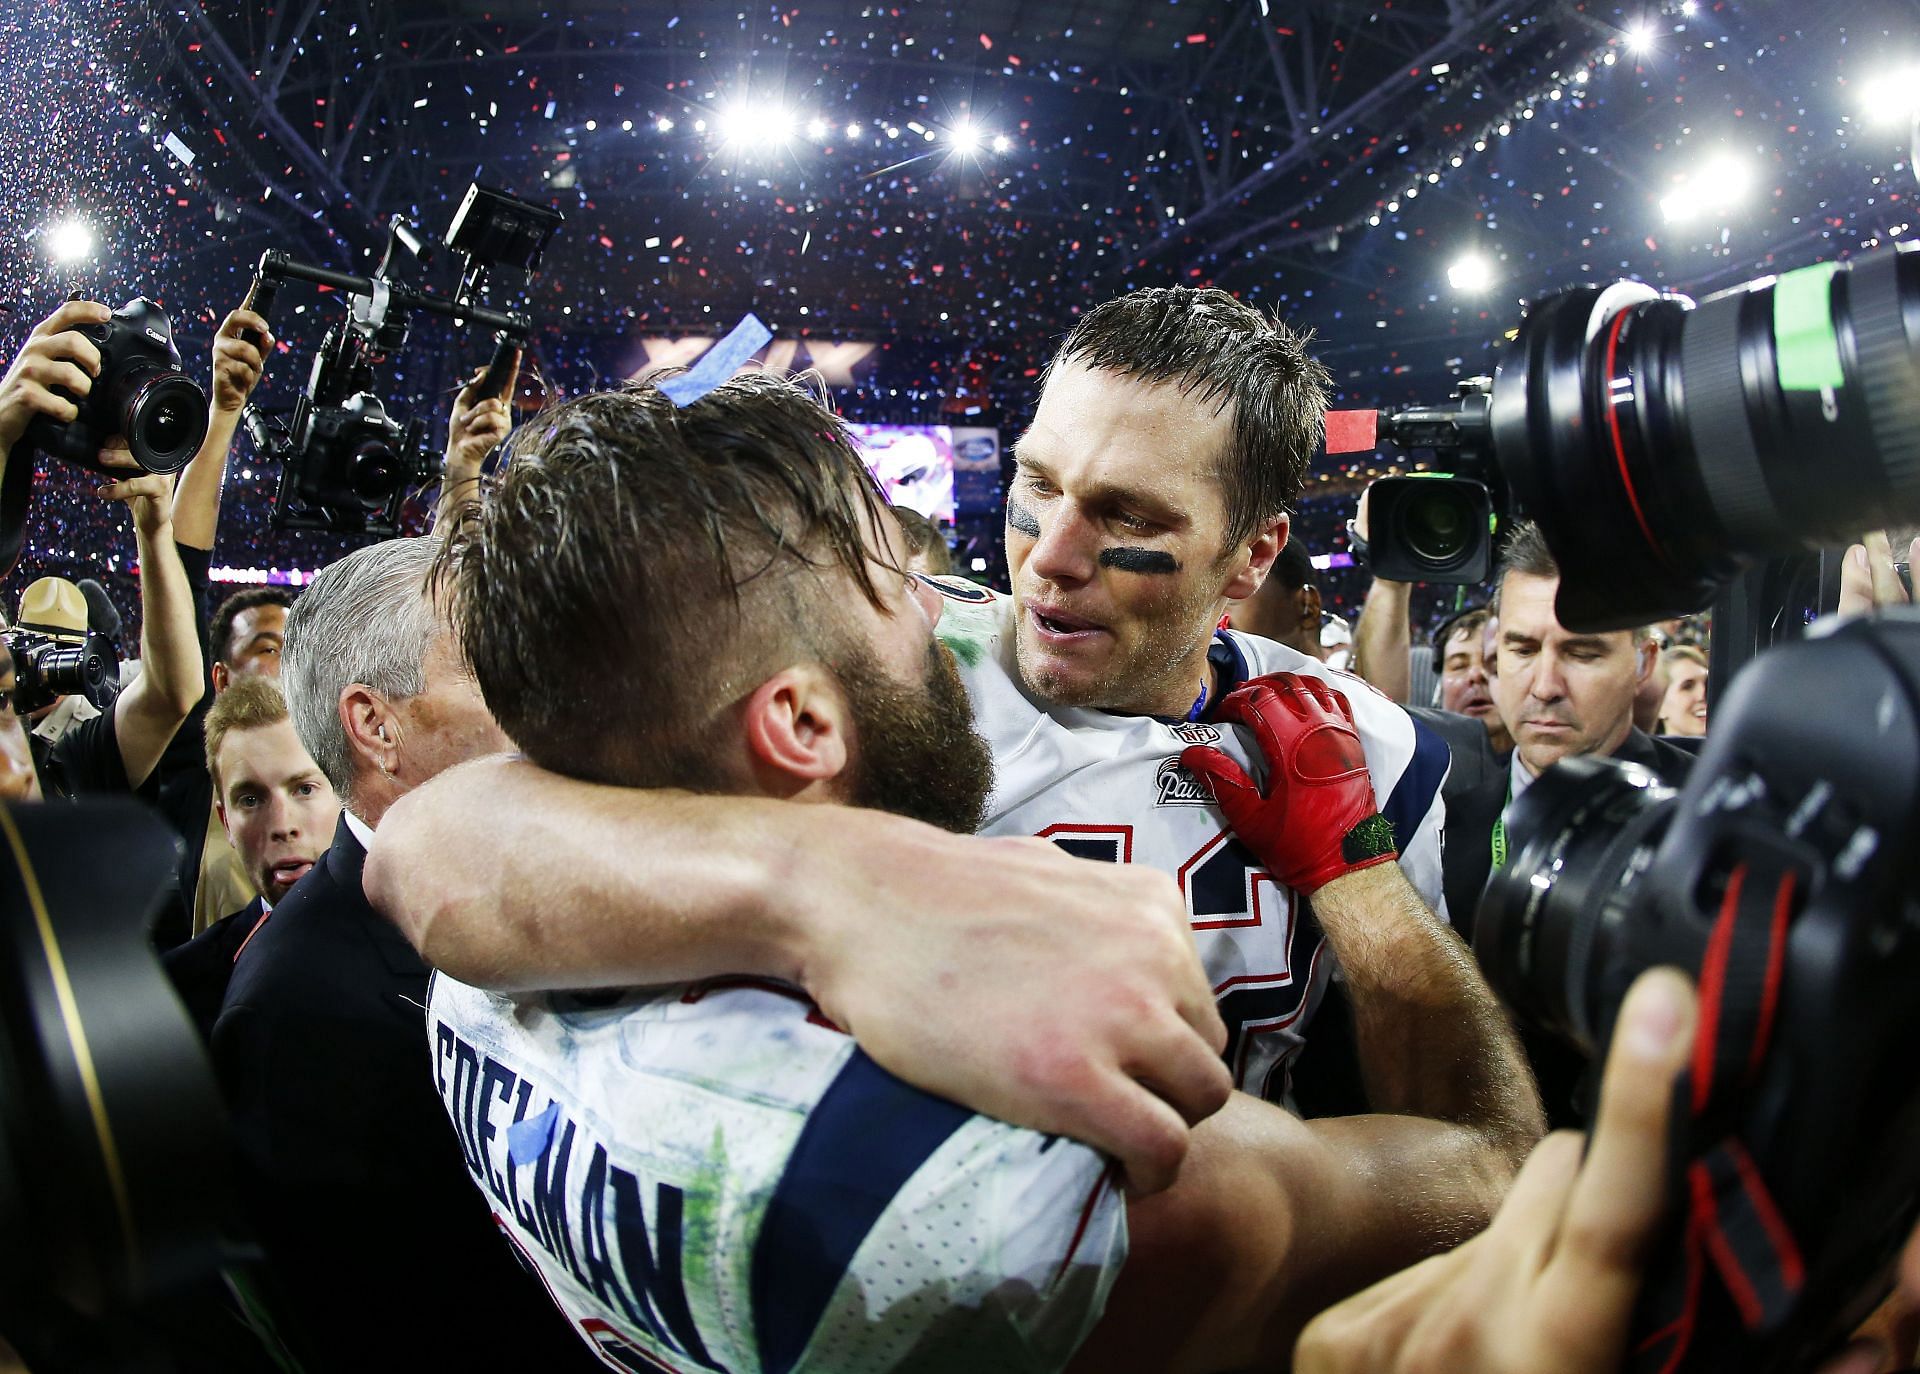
x=1783, y=878
x=349, y=465
x=140, y=394
x=1435, y=526
x=1662, y=446
x=46, y=668
x=346, y=465
x=115, y=1160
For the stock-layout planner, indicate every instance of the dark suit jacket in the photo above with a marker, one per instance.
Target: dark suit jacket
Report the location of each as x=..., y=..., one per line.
x=1476, y=794
x=382, y=1253
x=203, y=966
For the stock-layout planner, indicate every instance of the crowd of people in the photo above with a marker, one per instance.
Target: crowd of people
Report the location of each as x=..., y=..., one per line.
x=656, y=919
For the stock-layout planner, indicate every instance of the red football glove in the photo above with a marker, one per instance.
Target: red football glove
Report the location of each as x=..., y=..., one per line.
x=1318, y=819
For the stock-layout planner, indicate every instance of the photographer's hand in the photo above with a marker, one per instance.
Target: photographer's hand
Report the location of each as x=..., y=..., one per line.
x=479, y=424
x=148, y=497
x=240, y=352
x=54, y=355
x=1868, y=580
x=1551, y=1284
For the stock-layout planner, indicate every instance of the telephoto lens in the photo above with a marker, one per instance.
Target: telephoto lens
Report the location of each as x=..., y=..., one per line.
x=1662, y=446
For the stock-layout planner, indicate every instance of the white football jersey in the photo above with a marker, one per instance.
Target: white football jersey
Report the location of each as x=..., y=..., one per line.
x=712, y=1177
x=1111, y=787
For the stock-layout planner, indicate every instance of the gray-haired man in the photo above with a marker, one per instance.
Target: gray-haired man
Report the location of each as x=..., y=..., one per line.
x=380, y=1252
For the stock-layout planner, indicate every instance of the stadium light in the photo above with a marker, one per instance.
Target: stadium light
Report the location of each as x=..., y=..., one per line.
x=1639, y=36
x=663, y=124
x=1892, y=97
x=964, y=137
x=853, y=129
x=1471, y=273
x=1718, y=186
x=754, y=126
x=70, y=241
x=816, y=129
x=1002, y=144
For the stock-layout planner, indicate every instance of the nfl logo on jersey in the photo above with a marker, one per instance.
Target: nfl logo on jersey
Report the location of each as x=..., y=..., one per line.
x=1193, y=732
x=1175, y=786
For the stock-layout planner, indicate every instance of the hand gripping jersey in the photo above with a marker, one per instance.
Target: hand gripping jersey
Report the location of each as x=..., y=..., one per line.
x=714, y=1178
x=1111, y=787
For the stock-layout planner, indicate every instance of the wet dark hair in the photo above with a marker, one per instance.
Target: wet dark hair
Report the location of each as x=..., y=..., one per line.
x=635, y=570
x=1220, y=351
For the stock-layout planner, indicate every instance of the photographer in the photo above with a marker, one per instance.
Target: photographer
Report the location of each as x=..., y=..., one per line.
x=118, y=750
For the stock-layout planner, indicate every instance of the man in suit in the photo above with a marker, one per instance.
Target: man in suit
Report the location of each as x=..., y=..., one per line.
x=277, y=811
x=1561, y=694
x=380, y=1254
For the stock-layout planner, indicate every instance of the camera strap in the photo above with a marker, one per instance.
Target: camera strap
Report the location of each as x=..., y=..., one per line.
x=1733, y=1226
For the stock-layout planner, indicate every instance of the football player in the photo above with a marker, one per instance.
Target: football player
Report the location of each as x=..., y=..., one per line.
x=1173, y=427
x=715, y=1176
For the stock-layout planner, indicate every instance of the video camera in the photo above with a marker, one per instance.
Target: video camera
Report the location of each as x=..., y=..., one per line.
x=1663, y=446
x=346, y=464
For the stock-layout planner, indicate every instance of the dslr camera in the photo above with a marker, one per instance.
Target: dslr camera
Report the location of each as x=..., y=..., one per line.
x=1661, y=447
x=140, y=394
x=48, y=667
x=1783, y=878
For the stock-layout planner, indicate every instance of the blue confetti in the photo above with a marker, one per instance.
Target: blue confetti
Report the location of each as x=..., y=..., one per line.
x=527, y=1140
x=721, y=362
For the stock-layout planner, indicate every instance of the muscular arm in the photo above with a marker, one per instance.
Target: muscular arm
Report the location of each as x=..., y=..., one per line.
x=1433, y=1040
x=1383, y=640
x=1274, y=1219
x=925, y=945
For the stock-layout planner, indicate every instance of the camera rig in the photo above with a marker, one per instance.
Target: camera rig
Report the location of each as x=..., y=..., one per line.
x=346, y=464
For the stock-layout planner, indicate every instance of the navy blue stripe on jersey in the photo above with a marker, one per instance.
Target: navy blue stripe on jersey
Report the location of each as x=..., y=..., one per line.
x=1229, y=659
x=863, y=1140
x=1414, y=794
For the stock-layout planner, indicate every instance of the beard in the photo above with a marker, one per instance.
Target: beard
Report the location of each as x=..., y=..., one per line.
x=918, y=755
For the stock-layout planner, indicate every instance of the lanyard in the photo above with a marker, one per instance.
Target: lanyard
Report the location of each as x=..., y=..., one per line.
x=1500, y=830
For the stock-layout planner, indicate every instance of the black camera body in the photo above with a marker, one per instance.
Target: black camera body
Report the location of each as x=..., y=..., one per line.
x=1785, y=879
x=140, y=394
x=355, y=462
x=347, y=466
x=46, y=668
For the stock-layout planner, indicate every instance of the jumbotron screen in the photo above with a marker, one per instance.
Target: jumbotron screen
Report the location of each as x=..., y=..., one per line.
x=913, y=464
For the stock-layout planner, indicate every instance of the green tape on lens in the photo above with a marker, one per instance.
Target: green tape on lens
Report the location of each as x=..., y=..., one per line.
x=1803, y=339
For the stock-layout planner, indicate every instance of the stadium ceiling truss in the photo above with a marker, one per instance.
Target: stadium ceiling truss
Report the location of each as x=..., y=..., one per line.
x=1255, y=133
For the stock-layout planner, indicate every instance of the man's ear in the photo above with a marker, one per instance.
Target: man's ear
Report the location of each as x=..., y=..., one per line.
x=1649, y=655
x=795, y=726
x=373, y=730
x=220, y=810
x=1310, y=608
x=1256, y=561
x=222, y=677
